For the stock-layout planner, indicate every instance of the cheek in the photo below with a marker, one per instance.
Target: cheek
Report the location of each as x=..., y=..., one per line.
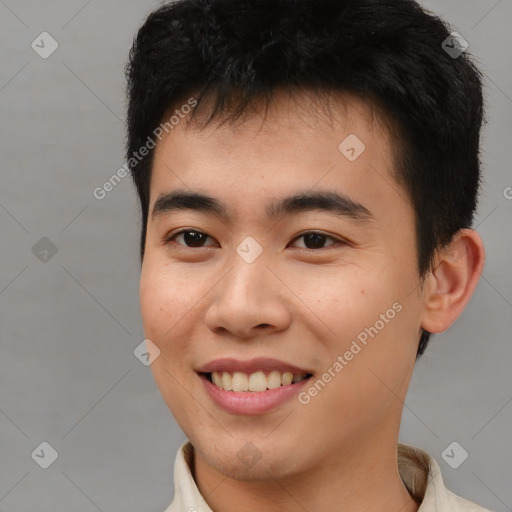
x=152, y=301
x=372, y=310
x=351, y=299
x=169, y=298
x=161, y=303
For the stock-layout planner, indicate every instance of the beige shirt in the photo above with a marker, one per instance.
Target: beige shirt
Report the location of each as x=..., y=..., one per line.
x=419, y=471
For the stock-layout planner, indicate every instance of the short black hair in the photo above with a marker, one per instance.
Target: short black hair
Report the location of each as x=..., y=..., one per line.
x=389, y=53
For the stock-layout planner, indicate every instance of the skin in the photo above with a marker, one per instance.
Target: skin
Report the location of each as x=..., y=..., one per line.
x=301, y=305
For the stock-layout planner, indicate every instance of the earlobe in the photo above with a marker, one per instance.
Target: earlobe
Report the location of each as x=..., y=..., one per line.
x=449, y=287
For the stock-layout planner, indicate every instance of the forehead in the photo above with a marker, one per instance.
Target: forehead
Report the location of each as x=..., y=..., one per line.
x=287, y=112
x=291, y=143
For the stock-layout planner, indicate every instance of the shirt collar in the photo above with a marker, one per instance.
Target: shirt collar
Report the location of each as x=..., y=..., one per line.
x=418, y=470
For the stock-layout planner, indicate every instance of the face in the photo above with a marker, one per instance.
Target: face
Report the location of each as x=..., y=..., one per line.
x=326, y=289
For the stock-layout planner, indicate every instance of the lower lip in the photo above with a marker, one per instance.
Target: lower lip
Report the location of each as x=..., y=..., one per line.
x=252, y=402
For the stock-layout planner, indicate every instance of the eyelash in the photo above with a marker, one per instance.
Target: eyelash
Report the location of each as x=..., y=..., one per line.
x=169, y=238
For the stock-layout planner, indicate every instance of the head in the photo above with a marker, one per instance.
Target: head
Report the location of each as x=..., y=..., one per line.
x=247, y=103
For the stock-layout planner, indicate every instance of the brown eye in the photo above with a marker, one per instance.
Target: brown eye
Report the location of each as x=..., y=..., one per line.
x=191, y=238
x=315, y=240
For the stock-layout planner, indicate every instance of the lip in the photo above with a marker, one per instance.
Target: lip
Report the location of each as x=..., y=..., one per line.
x=251, y=402
x=253, y=365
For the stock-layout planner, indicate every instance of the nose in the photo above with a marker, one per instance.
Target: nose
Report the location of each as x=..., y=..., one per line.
x=248, y=301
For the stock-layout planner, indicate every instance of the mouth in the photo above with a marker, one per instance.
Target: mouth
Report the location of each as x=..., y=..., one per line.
x=252, y=387
x=254, y=382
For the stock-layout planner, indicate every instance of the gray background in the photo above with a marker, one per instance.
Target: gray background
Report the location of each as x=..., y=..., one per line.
x=69, y=326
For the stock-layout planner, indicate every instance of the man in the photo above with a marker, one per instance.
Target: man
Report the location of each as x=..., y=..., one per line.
x=308, y=174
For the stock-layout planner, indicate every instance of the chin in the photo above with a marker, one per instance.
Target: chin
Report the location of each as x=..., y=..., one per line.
x=262, y=470
x=242, y=459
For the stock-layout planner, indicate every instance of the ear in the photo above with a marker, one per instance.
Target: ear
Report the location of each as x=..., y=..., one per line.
x=450, y=285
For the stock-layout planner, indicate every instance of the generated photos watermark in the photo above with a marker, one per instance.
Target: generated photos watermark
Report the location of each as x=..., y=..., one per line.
x=137, y=156
x=342, y=361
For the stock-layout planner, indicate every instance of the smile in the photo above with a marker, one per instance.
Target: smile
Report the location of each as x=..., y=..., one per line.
x=254, y=382
x=251, y=387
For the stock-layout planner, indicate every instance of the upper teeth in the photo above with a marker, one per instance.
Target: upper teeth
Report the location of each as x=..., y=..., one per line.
x=257, y=381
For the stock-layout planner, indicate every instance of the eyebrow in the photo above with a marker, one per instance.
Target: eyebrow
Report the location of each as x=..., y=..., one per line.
x=333, y=202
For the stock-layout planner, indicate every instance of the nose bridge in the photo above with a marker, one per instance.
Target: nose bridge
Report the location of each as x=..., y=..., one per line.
x=247, y=298
x=247, y=275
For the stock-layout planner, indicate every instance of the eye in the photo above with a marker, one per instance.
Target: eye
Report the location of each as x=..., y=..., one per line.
x=191, y=237
x=315, y=240
x=196, y=239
